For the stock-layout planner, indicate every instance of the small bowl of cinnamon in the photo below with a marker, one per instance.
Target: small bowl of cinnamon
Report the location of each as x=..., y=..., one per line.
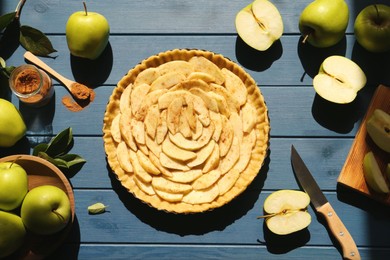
x=31, y=85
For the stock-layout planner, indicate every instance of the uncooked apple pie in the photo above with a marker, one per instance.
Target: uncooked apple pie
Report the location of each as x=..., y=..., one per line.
x=186, y=131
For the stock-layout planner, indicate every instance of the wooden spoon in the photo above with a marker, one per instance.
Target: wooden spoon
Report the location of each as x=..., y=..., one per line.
x=78, y=90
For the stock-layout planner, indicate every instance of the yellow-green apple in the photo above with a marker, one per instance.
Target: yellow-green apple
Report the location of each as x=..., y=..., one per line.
x=13, y=185
x=372, y=28
x=12, y=232
x=87, y=34
x=12, y=126
x=339, y=79
x=388, y=172
x=373, y=175
x=286, y=211
x=323, y=22
x=46, y=210
x=378, y=128
x=259, y=24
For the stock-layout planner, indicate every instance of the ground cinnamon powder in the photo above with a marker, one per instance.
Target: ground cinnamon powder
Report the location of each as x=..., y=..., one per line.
x=27, y=81
x=76, y=105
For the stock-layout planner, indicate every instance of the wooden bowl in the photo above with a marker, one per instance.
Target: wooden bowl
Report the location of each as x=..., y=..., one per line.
x=41, y=172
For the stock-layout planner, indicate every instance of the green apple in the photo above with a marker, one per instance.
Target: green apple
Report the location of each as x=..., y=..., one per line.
x=378, y=128
x=373, y=175
x=13, y=185
x=323, y=22
x=286, y=211
x=372, y=28
x=46, y=210
x=339, y=79
x=12, y=126
x=12, y=233
x=87, y=34
x=259, y=24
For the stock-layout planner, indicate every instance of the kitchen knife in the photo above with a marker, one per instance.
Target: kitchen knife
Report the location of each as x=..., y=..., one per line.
x=323, y=207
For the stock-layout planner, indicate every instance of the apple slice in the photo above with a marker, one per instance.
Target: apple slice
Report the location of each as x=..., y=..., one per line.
x=339, y=79
x=259, y=24
x=373, y=175
x=286, y=211
x=378, y=128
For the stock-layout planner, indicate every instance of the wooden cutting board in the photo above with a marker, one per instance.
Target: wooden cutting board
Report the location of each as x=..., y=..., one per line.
x=352, y=173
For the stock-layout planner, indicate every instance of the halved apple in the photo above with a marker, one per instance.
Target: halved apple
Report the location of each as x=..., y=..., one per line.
x=378, y=128
x=373, y=175
x=339, y=79
x=286, y=211
x=259, y=24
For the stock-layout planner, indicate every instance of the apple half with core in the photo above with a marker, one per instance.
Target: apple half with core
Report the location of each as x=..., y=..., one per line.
x=87, y=34
x=259, y=24
x=13, y=185
x=372, y=28
x=339, y=79
x=12, y=233
x=12, y=126
x=286, y=211
x=373, y=175
x=323, y=22
x=378, y=128
x=46, y=210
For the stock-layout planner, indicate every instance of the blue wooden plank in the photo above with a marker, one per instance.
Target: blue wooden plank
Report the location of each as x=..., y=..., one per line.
x=233, y=224
x=324, y=156
x=156, y=17
x=93, y=251
x=287, y=63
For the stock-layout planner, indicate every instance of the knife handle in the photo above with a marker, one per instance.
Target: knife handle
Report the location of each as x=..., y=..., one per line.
x=340, y=232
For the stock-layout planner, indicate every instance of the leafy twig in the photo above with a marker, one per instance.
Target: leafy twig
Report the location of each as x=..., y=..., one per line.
x=30, y=38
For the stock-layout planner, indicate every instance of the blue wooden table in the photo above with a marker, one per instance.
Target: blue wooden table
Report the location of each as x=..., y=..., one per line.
x=321, y=132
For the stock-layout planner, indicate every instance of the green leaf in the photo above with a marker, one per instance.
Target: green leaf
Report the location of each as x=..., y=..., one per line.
x=39, y=148
x=60, y=143
x=72, y=159
x=57, y=162
x=6, y=19
x=35, y=41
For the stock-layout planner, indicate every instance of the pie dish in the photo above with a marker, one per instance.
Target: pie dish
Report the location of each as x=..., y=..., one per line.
x=186, y=131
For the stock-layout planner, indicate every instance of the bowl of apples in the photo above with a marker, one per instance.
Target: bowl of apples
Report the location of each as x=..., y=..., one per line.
x=37, y=207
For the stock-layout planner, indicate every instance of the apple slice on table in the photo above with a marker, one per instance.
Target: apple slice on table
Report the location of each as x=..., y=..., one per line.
x=286, y=211
x=339, y=79
x=378, y=128
x=372, y=28
x=373, y=175
x=259, y=24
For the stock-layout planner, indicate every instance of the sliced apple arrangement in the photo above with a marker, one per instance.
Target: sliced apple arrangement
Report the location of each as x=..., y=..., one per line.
x=339, y=79
x=259, y=24
x=378, y=129
x=286, y=211
x=43, y=210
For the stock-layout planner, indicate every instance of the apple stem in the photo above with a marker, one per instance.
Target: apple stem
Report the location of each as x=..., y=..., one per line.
x=59, y=215
x=19, y=7
x=378, y=19
x=85, y=8
x=305, y=38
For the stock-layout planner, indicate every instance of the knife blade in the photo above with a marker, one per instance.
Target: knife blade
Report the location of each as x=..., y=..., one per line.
x=323, y=207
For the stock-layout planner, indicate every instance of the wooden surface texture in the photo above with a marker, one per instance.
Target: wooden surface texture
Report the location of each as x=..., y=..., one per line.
x=323, y=133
